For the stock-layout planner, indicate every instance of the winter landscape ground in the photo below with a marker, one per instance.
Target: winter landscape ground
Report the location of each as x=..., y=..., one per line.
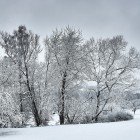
x=128, y=130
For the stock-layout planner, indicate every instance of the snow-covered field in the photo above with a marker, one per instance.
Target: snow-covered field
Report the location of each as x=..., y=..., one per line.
x=128, y=130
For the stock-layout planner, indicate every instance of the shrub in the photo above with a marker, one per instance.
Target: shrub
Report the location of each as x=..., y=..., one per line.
x=119, y=116
x=110, y=117
x=86, y=119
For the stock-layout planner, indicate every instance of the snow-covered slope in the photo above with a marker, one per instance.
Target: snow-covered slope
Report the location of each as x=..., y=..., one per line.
x=128, y=130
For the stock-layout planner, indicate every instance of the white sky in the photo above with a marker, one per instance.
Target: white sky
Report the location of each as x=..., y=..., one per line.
x=95, y=18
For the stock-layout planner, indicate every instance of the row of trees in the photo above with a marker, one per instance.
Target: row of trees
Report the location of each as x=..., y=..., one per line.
x=29, y=86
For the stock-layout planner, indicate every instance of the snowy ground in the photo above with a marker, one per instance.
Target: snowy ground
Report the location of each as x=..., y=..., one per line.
x=128, y=130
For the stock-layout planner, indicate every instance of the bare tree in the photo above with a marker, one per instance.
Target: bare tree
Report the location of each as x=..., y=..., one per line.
x=22, y=47
x=110, y=67
x=65, y=49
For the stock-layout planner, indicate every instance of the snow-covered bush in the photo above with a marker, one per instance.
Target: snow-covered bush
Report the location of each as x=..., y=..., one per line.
x=119, y=116
x=110, y=117
x=9, y=113
x=86, y=119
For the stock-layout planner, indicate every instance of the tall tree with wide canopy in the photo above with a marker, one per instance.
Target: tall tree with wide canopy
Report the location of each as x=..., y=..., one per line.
x=22, y=47
x=109, y=67
x=65, y=49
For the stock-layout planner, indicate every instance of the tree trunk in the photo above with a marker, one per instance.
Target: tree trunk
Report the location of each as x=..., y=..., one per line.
x=134, y=111
x=35, y=112
x=98, y=106
x=62, y=100
x=20, y=91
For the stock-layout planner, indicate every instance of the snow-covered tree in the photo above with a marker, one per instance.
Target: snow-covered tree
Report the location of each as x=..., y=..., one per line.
x=22, y=47
x=109, y=67
x=65, y=49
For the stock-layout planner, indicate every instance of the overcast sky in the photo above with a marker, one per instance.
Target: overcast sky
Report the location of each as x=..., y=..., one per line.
x=97, y=18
